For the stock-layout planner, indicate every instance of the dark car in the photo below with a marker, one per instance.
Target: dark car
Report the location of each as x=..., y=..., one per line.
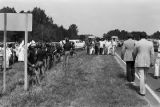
x=156, y=45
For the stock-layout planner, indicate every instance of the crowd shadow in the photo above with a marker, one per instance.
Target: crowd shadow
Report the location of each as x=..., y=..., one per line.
x=158, y=89
x=133, y=87
x=122, y=76
x=129, y=85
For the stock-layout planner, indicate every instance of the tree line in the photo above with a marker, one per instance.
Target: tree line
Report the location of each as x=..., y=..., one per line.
x=122, y=34
x=44, y=29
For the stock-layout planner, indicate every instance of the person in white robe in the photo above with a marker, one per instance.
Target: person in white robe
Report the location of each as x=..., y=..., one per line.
x=21, y=52
x=8, y=56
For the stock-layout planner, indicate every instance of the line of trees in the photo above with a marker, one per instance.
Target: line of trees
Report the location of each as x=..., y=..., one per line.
x=44, y=29
x=122, y=34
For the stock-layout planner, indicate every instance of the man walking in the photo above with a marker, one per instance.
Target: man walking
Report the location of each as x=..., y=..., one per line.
x=101, y=42
x=127, y=56
x=144, y=54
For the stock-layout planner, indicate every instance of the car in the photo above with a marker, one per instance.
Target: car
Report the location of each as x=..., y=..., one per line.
x=78, y=43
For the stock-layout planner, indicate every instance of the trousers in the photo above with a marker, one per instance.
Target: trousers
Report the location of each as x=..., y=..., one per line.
x=157, y=64
x=142, y=72
x=130, y=73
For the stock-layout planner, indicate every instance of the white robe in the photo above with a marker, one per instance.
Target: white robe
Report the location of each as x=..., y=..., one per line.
x=8, y=56
x=21, y=54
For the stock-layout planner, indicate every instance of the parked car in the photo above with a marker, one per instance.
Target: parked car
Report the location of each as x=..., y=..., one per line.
x=78, y=43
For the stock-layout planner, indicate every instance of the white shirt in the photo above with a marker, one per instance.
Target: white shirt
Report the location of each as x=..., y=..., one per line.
x=107, y=43
x=101, y=44
x=114, y=43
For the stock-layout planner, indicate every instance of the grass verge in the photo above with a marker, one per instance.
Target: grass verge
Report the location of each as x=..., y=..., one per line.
x=92, y=81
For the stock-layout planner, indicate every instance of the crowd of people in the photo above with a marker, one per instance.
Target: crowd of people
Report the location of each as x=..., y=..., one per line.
x=101, y=47
x=41, y=56
x=44, y=56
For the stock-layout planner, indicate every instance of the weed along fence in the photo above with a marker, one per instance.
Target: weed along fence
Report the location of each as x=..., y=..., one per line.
x=15, y=22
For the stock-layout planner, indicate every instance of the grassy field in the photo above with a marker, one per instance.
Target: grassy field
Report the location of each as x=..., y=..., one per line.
x=91, y=81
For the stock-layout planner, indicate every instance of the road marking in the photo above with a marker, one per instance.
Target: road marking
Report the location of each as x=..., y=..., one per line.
x=147, y=87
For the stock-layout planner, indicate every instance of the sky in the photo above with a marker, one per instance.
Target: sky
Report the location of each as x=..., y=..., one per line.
x=97, y=16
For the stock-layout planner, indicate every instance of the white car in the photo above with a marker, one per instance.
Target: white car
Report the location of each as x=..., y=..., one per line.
x=78, y=43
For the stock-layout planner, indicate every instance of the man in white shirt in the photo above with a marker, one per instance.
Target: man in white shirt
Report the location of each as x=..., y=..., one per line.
x=101, y=46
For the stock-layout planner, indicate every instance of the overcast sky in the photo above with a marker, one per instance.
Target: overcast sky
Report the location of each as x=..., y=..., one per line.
x=97, y=16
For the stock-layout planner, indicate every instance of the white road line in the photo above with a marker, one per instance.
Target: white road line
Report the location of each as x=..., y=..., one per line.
x=147, y=87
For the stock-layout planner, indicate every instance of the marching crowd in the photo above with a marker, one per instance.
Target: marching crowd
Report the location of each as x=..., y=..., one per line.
x=101, y=47
x=41, y=56
x=137, y=55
